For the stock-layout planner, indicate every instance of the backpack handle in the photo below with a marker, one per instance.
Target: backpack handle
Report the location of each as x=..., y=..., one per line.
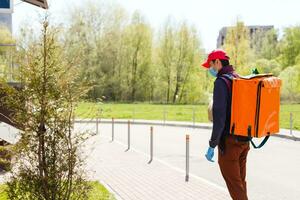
x=261, y=144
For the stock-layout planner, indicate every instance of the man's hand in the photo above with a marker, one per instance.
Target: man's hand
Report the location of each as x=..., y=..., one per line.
x=210, y=154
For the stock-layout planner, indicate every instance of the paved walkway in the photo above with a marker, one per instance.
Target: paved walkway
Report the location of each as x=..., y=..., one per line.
x=130, y=177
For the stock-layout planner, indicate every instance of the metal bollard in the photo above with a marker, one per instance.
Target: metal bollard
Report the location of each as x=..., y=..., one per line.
x=291, y=124
x=112, y=129
x=164, y=115
x=97, y=124
x=128, y=139
x=194, y=117
x=133, y=114
x=187, y=157
x=151, y=145
x=97, y=127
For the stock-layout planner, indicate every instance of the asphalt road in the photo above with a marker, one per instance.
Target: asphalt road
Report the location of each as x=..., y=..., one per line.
x=273, y=172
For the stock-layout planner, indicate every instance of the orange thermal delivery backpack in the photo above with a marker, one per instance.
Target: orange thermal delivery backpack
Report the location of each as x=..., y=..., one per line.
x=255, y=106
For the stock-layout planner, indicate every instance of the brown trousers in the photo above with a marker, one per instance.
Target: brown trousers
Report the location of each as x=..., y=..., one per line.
x=233, y=167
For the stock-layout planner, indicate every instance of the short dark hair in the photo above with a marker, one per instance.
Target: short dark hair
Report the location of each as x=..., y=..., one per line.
x=223, y=62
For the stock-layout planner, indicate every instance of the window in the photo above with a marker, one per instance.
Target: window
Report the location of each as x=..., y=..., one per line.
x=5, y=4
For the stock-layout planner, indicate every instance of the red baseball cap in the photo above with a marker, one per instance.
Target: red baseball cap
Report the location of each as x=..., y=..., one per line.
x=215, y=54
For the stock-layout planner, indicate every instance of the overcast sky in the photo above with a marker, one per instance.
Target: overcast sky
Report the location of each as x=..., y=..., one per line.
x=208, y=16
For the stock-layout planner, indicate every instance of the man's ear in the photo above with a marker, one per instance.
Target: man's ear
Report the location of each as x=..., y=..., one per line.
x=218, y=63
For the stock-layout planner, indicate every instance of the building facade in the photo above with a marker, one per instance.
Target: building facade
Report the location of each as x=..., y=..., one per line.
x=6, y=10
x=252, y=31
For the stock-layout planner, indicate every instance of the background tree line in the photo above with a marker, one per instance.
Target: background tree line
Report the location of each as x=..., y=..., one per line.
x=127, y=60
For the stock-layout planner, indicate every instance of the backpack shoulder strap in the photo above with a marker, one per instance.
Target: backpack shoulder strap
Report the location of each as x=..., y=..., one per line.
x=227, y=78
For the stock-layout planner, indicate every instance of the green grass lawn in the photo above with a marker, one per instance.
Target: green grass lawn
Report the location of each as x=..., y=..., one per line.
x=3, y=195
x=172, y=112
x=98, y=192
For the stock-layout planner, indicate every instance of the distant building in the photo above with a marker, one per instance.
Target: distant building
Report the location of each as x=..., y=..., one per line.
x=252, y=30
x=6, y=10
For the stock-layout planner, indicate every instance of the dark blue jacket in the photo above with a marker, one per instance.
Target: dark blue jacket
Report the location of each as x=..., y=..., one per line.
x=221, y=108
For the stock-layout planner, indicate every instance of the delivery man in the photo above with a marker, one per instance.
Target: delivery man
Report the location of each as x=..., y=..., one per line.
x=232, y=150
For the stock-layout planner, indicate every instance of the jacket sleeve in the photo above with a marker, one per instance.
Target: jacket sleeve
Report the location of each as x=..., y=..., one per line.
x=220, y=96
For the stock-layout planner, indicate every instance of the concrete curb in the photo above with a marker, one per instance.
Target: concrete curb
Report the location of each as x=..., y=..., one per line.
x=149, y=122
x=287, y=137
x=179, y=124
x=111, y=190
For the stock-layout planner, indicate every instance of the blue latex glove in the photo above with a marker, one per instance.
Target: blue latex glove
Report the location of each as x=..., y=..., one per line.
x=210, y=154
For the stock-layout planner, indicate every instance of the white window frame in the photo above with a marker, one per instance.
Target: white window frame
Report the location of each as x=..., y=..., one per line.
x=8, y=10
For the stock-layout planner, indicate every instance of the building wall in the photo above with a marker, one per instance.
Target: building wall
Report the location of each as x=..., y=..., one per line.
x=252, y=30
